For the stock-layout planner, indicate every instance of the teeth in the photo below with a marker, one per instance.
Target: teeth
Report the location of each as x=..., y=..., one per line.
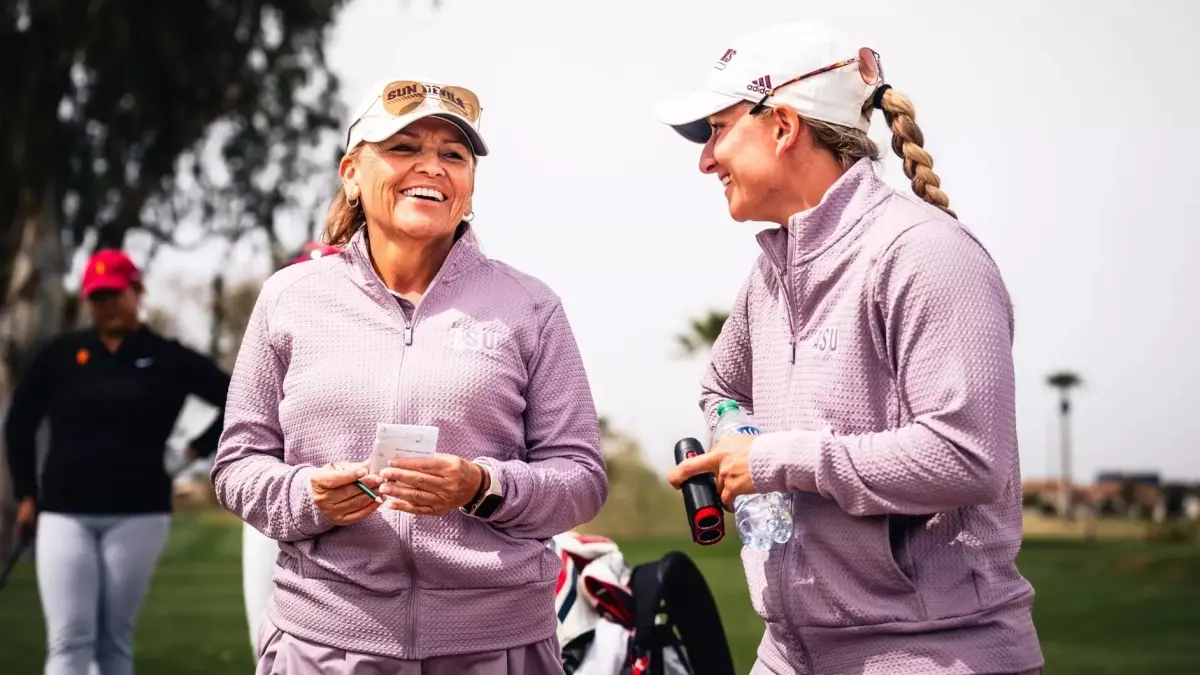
x=725, y=180
x=424, y=192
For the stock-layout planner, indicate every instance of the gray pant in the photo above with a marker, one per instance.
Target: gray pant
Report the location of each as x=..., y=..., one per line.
x=92, y=574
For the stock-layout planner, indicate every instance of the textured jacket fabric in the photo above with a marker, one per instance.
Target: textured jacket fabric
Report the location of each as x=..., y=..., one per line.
x=489, y=358
x=872, y=343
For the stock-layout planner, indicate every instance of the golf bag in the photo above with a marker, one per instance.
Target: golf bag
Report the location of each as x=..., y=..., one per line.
x=657, y=618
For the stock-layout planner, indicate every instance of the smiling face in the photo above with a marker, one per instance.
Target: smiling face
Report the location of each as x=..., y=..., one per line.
x=744, y=153
x=418, y=184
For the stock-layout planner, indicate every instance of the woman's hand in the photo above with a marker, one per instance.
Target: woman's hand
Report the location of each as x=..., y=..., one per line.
x=26, y=515
x=431, y=486
x=729, y=460
x=339, y=499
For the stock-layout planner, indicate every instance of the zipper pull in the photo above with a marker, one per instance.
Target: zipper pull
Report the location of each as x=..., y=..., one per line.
x=792, y=358
x=408, y=336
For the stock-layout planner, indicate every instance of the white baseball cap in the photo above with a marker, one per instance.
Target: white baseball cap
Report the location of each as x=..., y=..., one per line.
x=804, y=64
x=391, y=105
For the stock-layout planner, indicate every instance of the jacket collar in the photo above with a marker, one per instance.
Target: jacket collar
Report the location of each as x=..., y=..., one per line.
x=811, y=232
x=464, y=254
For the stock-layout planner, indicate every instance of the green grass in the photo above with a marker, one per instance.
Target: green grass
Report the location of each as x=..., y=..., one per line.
x=1102, y=607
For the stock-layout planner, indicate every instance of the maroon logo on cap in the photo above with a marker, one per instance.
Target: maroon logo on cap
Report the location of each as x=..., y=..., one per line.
x=761, y=85
x=725, y=58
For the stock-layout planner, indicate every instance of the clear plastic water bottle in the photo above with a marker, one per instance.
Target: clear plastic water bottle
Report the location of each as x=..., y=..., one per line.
x=763, y=520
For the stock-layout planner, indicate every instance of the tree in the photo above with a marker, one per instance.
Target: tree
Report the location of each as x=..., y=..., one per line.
x=181, y=120
x=237, y=304
x=1064, y=381
x=702, y=332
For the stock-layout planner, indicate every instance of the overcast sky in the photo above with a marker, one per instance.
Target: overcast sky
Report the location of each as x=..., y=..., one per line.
x=1066, y=140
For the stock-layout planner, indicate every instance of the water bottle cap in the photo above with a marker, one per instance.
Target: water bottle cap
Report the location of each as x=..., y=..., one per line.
x=727, y=405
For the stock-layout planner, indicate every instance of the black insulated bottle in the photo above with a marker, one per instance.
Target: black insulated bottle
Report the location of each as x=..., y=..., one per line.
x=706, y=519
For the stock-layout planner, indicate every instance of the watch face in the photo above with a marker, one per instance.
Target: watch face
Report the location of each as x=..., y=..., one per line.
x=488, y=506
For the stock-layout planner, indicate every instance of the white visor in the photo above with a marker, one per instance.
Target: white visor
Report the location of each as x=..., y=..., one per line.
x=375, y=123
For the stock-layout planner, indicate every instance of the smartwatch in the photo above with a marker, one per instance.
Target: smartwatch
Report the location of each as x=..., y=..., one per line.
x=486, y=502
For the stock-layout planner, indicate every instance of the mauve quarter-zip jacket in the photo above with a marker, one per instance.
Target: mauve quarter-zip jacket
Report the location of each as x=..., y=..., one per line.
x=489, y=358
x=872, y=343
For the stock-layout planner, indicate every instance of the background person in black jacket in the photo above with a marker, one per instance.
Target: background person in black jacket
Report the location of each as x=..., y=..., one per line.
x=112, y=394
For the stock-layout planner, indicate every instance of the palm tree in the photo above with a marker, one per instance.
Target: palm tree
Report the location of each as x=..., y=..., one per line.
x=1064, y=381
x=702, y=332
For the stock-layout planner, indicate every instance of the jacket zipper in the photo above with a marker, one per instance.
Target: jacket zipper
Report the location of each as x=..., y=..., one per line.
x=792, y=325
x=781, y=270
x=787, y=301
x=401, y=418
x=407, y=533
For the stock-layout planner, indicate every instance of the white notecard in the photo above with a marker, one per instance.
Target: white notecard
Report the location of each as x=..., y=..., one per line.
x=401, y=440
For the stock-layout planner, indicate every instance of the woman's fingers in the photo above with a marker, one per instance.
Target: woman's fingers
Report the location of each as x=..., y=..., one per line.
x=441, y=491
x=416, y=479
x=361, y=513
x=350, y=510
x=372, y=481
x=412, y=495
x=416, y=509
x=335, y=493
x=336, y=498
x=327, y=479
x=422, y=486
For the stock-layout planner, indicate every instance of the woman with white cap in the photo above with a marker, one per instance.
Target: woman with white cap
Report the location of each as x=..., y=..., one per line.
x=873, y=343
x=410, y=325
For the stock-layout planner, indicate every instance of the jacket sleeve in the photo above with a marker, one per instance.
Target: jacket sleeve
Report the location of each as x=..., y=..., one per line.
x=30, y=402
x=947, y=324
x=205, y=379
x=249, y=475
x=562, y=482
x=729, y=374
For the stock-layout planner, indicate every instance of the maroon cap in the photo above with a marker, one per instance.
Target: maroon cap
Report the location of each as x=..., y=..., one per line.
x=109, y=270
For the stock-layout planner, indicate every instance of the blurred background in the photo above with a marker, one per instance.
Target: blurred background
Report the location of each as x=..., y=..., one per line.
x=203, y=137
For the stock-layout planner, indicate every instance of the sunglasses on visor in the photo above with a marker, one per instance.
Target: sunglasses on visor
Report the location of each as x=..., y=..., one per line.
x=404, y=96
x=401, y=97
x=870, y=68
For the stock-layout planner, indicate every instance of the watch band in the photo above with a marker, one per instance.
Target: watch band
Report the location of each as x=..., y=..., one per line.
x=485, y=481
x=485, y=501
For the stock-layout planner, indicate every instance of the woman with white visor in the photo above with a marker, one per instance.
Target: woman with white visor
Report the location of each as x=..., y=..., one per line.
x=431, y=560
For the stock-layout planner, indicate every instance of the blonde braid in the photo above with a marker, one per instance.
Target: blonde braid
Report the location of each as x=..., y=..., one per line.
x=908, y=143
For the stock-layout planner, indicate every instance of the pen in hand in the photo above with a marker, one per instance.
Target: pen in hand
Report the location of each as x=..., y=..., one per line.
x=369, y=492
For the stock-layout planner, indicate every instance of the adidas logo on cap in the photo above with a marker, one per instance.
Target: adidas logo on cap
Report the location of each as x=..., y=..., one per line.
x=762, y=85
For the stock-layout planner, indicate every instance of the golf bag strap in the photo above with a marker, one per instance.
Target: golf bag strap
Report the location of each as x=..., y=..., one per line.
x=646, y=584
x=675, y=580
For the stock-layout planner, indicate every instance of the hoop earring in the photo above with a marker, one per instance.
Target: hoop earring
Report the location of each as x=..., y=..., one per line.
x=469, y=217
x=351, y=204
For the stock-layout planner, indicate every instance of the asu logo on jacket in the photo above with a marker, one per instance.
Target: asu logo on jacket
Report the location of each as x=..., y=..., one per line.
x=473, y=338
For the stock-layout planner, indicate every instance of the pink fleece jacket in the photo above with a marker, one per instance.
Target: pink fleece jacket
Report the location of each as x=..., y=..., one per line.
x=489, y=358
x=872, y=343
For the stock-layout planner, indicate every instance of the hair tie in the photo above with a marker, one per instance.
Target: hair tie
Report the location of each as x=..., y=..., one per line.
x=877, y=99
